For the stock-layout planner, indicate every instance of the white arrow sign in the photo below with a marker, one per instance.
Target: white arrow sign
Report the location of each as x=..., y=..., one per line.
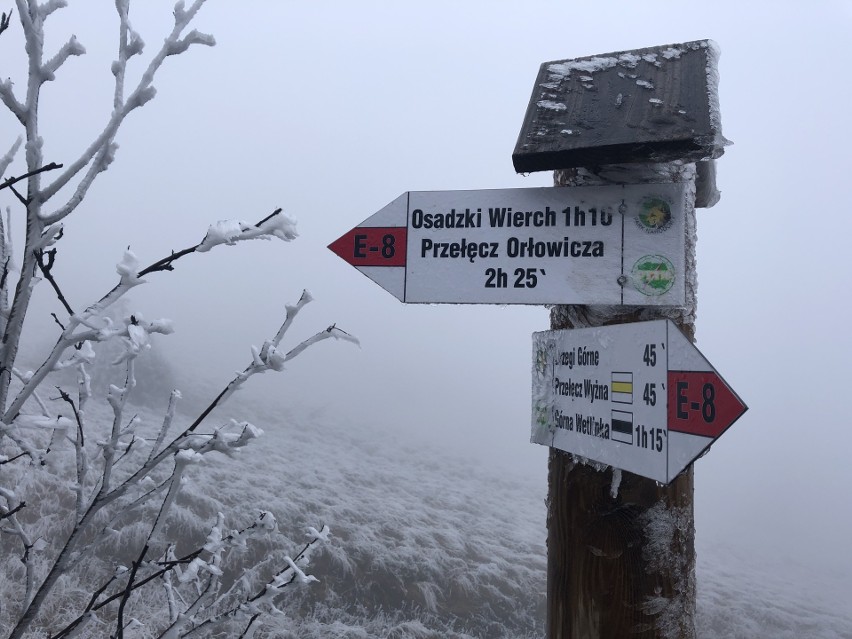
x=639, y=397
x=562, y=245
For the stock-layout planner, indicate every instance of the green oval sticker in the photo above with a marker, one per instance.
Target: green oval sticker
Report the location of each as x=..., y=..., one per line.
x=653, y=275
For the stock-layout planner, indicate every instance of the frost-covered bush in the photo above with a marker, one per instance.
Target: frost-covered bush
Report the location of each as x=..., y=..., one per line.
x=155, y=373
x=90, y=542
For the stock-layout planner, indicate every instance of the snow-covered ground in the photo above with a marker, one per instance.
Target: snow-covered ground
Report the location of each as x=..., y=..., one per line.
x=755, y=597
x=422, y=544
x=427, y=543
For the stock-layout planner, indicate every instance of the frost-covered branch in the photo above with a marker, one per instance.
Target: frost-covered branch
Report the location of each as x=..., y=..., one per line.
x=186, y=447
x=135, y=335
x=270, y=358
x=275, y=225
x=6, y=514
x=205, y=443
x=24, y=377
x=101, y=151
x=117, y=398
x=48, y=7
x=102, y=158
x=264, y=599
x=32, y=18
x=17, y=530
x=7, y=96
x=193, y=37
x=187, y=569
x=167, y=422
x=70, y=48
x=120, y=485
x=7, y=159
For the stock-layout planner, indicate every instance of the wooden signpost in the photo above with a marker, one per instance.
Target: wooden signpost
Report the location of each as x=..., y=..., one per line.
x=621, y=547
x=632, y=136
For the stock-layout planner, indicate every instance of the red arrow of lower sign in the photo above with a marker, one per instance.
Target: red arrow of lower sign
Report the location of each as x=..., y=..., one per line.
x=701, y=403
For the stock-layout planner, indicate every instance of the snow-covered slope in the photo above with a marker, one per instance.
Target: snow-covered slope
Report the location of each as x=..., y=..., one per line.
x=428, y=544
x=753, y=596
x=422, y=544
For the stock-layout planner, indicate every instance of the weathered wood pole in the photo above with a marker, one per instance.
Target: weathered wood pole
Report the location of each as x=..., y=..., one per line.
x=621, y=552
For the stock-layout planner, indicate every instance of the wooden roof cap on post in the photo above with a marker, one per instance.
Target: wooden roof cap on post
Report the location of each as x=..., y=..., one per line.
x=658, y=104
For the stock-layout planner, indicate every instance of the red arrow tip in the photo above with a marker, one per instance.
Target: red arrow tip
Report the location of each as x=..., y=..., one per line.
x=372, y=246
x=701, y=403
x=342, y=246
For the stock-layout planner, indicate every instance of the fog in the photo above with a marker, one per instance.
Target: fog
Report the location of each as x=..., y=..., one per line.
x=330, y=110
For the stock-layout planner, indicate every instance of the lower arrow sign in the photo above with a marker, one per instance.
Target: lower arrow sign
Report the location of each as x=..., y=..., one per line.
x=639, y=397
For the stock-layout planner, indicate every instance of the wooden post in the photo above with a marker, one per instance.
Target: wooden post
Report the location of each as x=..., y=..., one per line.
x=621, y=551
x=621, y=548
x=603, y=578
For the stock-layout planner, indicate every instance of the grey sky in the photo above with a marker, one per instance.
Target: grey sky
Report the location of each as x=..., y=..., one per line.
x=331, y=110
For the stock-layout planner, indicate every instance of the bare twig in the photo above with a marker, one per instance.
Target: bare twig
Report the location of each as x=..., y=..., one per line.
x=67, y=399
x=94, y=598
x=11, y=459
x=23, y=200
x=9, y=513
x=4, y=20
x=165, y=264
x=245, y=633
x=127, y=590
x=46, y=268
x=8, y=183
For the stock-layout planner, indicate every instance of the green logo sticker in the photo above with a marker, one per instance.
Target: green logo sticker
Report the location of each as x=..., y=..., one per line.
x=655, y=215
x=653, y=275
